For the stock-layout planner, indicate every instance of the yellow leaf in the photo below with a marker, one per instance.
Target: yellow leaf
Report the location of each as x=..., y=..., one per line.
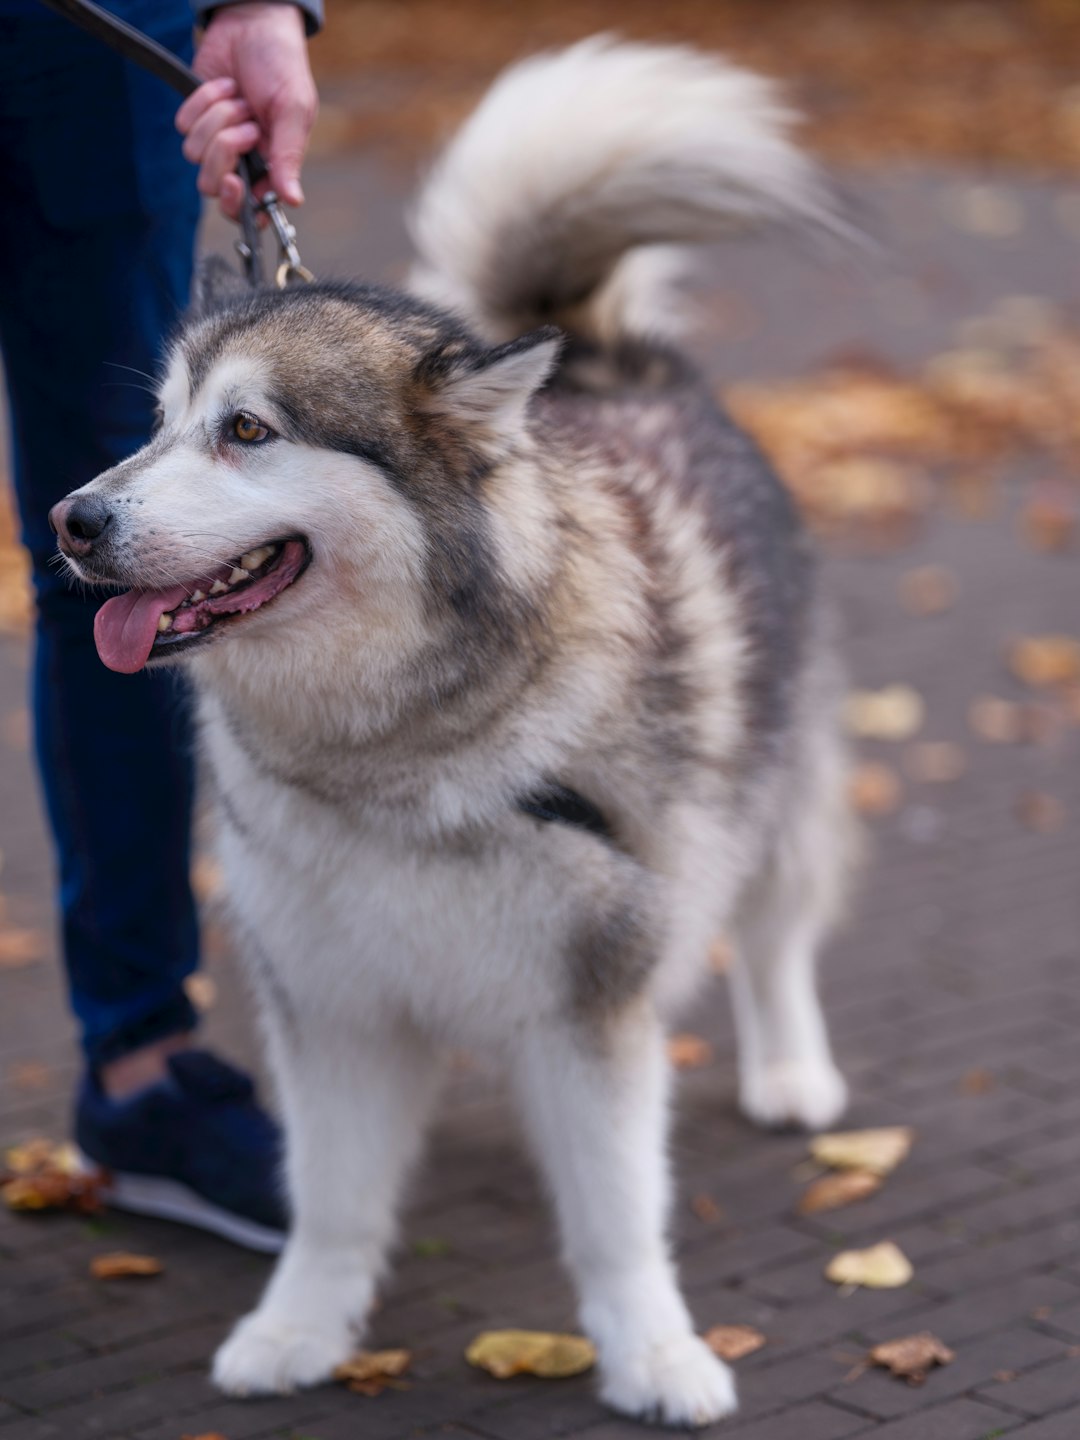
x=732, y=1342
x=893, y=713
x=881, y=1267
x=879, y=1151
x=369, y=1372
x=1042, y=660
x=530, y=1352
x=21, y=947
x=120, y=1263
x=912, y=1356
x=833, y=1192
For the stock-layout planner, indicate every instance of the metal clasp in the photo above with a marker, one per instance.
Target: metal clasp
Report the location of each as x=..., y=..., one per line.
x=291, y=267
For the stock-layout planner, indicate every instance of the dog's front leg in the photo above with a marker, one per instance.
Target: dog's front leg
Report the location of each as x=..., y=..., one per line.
x=354, y=1109
x=594, y=1093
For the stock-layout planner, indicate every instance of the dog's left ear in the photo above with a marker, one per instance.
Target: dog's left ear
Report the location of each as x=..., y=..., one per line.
x=488, y=390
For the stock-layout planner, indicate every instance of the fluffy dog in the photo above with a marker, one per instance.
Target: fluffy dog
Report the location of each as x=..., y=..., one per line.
x=513, y=684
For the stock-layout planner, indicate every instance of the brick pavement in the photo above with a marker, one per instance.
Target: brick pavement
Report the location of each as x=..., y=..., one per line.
x=962, y=956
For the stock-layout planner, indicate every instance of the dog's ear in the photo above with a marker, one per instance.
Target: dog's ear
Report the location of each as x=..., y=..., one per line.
x=488, y=390
x=216, y=286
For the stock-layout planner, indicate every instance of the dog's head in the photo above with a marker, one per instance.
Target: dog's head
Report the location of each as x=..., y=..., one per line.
x=323, y=446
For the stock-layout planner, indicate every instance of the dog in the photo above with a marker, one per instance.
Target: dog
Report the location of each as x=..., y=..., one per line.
x=514, y=685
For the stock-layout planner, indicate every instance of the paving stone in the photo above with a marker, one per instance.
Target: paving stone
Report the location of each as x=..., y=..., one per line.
x=955, y=1420
x=1050, y=1387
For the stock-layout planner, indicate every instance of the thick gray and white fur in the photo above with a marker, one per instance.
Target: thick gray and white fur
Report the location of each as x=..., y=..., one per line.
x=539, y=555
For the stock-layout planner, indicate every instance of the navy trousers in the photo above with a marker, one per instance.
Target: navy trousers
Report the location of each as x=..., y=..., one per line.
x=97, y=227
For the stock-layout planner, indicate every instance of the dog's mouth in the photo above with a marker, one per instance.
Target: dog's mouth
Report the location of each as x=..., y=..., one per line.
x=132, y=628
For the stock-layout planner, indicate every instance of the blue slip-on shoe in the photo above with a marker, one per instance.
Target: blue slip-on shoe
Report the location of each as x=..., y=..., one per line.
x=195, y=1148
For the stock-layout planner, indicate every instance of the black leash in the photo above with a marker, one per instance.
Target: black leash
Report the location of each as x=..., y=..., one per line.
x=136, y=46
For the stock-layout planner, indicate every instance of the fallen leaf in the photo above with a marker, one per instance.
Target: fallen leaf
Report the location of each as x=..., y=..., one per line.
x=893, y=713
x=209, y=1435
x=370, y=1372
x=935, y=762
x=530, y=1352
x=1004, y=1377
x=118, y=1264
x=732, y=1342
x=928, y=590
x=874, y=789
x=881, y=1267
x=1041, y=812
x=1049, y=522
x=833, y=1192
x=44, y=1176
x=878, y=1151
x=29, y=1075
x=21, y=947
x=1044, y=660
x=977, y=1081
x=689, y=1052
x=207, y=880
x=998, y=721
x=912, y=1356
x=706, y=1209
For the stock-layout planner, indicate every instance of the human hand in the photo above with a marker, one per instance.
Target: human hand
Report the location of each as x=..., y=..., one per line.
x=257, y=91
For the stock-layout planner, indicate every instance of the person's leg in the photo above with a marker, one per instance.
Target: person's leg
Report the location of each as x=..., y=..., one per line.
x=96, y=269
x=96, y=252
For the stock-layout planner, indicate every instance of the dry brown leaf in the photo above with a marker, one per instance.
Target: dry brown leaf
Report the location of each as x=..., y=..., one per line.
x=370, y=1372
x=209, y=1435
x=1041, y=812
x=912, y=1356
x=19, y=948
x=928, y=590
x=42, y=1176
x=935, y=762
x=833, y=1192
x=206, y=877
x=1046, y=660
x=893, y=713
x=706, y=1209
x=998, y=721
x=29, y=1075
x=977, y=1081
x=119, y=1264
x=874, y=788
x=1049, y=522
x=503, y=1353
x=878, y=1151
x=880, y=1267
x=689, y=1052
x=732, y=1342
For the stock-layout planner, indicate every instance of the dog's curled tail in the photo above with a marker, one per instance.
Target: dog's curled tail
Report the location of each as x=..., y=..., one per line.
x=575, y=158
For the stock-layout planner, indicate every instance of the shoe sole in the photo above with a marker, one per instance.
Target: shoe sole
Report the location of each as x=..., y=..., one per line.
x=170, y=1200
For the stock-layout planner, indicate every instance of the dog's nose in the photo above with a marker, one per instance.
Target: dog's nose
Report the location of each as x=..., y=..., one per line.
x=80, y=523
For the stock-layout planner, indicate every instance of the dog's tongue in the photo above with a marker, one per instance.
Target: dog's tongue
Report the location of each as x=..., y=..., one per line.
x=125, y=626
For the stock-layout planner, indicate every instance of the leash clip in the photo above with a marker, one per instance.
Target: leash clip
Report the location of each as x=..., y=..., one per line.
x=291, y=267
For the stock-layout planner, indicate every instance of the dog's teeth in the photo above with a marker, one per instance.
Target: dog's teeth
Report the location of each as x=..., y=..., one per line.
x=254, y=558
x=218, y=587
x=164, y=622
x=197, y=595
x=238, y=575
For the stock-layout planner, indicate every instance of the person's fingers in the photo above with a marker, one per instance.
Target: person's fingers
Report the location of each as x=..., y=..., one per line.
x=200, y=100
x=290, y=127
x=222, y=154
x=224, y=115
x=231, y=196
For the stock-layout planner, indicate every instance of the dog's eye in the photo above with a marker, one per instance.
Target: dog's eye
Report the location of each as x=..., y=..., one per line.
x=248, y=429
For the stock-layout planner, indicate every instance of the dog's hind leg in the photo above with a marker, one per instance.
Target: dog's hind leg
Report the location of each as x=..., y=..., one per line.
x=787, y=1075
x=594, y=1094
x=355, y=1107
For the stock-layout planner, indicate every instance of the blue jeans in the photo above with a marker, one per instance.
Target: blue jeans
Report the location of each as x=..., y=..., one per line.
x=96, y=246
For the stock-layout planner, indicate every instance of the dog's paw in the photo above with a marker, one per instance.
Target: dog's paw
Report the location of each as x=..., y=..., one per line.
x=264, y=1356
x=676, y=1382
x=812, y=1095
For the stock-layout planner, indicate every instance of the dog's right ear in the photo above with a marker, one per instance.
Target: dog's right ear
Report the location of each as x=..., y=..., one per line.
x=216, y=286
